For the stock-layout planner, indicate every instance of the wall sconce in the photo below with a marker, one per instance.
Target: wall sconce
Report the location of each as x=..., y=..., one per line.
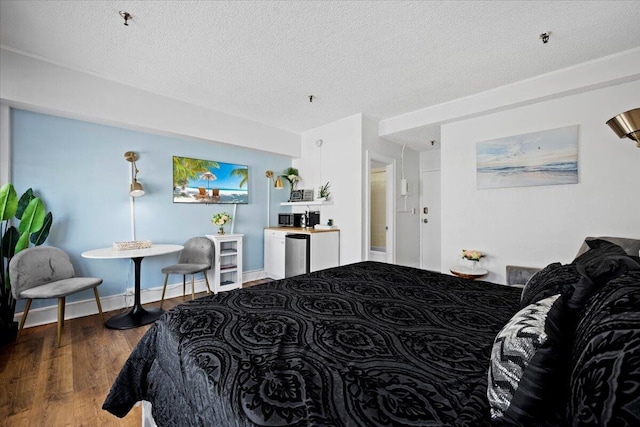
x=136, y=188
x=627, y=125
x=275, y=183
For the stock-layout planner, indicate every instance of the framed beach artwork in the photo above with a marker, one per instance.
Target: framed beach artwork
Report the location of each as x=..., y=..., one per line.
x=207, y=181
x=547, y=157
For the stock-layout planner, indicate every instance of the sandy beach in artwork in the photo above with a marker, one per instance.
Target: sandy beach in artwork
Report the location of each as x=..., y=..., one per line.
x=190, y=195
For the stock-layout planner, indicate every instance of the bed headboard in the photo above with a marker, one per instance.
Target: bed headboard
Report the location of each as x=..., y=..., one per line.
x=630, y=246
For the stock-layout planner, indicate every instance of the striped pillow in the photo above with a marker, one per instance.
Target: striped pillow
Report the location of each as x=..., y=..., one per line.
x=512, y=395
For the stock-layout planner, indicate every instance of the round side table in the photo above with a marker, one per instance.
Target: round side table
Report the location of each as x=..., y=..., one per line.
x=468, y=272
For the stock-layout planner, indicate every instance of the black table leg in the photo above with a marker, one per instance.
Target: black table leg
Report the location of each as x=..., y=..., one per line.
x=137, y=315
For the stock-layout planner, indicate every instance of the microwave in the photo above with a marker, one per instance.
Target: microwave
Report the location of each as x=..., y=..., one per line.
x=289, y=219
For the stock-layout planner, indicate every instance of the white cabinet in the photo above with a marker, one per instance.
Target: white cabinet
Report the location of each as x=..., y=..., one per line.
x=227, y=270
x=274, y=253
x=324, y=249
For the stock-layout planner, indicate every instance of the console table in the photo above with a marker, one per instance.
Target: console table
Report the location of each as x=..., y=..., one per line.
x=137, y=315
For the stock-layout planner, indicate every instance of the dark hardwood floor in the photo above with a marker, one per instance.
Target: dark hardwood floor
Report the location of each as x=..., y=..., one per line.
x=43, y=385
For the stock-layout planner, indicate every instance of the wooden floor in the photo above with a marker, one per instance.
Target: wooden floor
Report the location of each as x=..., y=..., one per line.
x=42, y=385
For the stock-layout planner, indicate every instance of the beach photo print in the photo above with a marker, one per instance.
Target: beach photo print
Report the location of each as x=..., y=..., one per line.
x=208, y=181
x=547, y=157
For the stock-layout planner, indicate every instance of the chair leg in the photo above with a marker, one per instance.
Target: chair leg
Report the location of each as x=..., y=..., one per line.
x=24, y=317
x=184, y=284
x=193, y=288
x=95, y=292
x=206, y=280
x=60, y=317
x=164, y=289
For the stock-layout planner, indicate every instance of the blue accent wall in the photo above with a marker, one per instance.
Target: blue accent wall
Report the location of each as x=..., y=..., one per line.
x=78, y=169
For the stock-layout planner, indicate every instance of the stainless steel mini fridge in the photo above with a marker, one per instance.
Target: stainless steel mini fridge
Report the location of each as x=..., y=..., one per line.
x=297, y=254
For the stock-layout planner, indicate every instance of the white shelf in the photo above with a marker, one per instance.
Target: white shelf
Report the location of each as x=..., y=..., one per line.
x=228, y=251
x=311, y=203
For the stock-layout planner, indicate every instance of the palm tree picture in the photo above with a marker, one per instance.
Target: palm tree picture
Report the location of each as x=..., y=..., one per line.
x=206, y=181
x=242, y=172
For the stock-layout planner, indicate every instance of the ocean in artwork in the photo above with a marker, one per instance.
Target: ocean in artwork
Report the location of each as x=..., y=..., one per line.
x=548, y=157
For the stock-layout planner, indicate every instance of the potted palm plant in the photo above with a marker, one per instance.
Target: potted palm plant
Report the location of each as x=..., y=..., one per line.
x=33, y=228
x=291, y=175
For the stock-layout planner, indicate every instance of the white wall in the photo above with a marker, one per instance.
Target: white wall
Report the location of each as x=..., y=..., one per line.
x=40, y=86
x=338, y=161
x=533, y=226
x=430, y=160
x=341, y=160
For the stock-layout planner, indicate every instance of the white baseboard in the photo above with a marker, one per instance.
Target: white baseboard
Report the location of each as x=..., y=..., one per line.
x=88, y=307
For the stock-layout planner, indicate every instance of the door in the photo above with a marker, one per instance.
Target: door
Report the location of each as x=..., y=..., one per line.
x=380, y=217
x=430, y=220
x=378, y=213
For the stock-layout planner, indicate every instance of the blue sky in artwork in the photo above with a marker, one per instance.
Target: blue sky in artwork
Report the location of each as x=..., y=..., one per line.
x=555, y=145
x=224, y=180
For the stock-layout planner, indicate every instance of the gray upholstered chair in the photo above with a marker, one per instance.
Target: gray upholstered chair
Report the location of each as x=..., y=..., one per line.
x=46, y=272
x=196, y=257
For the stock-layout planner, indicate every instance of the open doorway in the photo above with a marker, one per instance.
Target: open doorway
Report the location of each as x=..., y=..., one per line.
x=378, y=214
x=380, y=201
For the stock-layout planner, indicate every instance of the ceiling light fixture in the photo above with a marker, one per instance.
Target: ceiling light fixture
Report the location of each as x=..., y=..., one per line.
x=627, y=125
x=545, y=36
x=126, y=16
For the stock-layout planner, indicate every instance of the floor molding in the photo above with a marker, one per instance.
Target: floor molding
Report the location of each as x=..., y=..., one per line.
x=88, y=307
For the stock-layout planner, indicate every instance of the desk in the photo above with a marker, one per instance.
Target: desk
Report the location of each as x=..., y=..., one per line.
x=136, y=316
x=468, y=272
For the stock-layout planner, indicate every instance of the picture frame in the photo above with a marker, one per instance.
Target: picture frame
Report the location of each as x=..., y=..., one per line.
x=548, y=157
x=199, y=181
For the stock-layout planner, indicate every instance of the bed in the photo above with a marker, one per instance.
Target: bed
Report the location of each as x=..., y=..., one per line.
x=366, y=344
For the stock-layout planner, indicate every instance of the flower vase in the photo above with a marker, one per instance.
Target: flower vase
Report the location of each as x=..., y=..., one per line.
x=221, y=230
x=470, y=263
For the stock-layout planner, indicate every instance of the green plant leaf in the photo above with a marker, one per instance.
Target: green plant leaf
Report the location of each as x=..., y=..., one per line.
x=23, y=203
x=40, y=236
x=9, y=241
x=23, y=242
x=32, y=218
x=290, y=171
x=8, y=202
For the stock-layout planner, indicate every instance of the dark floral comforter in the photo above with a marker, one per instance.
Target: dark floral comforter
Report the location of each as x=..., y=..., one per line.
x=366, y=344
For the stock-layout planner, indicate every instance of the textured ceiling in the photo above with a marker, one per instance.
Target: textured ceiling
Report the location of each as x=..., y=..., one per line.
x=261, y=59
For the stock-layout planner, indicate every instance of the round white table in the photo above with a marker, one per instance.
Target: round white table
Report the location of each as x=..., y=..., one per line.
x=137, y=315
